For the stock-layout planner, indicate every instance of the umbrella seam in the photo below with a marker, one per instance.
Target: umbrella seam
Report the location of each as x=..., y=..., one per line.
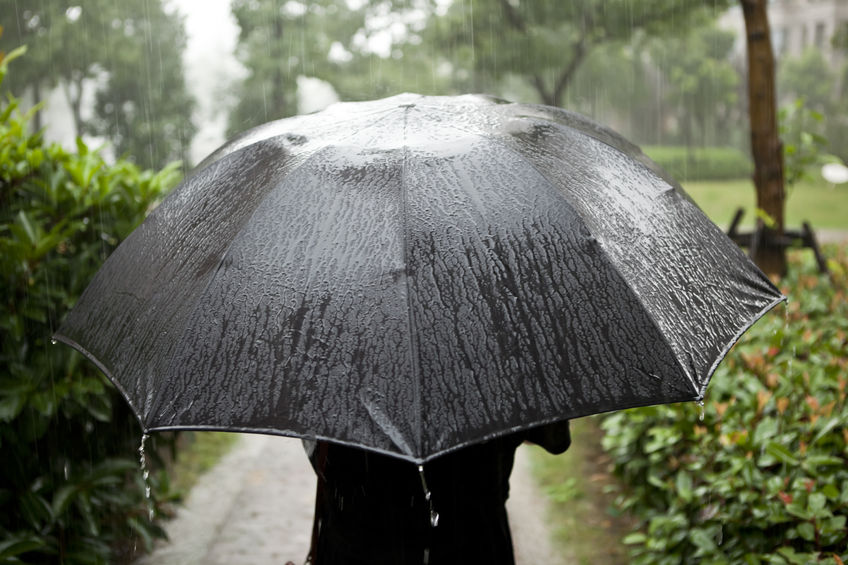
x=307, y=157
x=552, y=185
x=616, y=142
x=654, y=169
x=413, y=344
x=190, y=313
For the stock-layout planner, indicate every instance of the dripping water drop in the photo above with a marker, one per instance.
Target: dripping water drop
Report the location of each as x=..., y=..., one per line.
x=701, y=406
x=53, y=341
x=428, y=496
x=145, y=473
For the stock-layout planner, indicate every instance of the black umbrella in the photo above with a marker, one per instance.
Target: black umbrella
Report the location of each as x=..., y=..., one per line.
x=416, y=274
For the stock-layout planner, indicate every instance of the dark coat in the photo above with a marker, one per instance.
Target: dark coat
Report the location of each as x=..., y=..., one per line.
x=371, y=508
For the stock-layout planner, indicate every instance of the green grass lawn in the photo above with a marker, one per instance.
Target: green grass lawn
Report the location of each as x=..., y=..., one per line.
x=816, y=202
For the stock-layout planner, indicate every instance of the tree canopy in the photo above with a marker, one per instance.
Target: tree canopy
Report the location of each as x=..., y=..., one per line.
x=279, y=41
x=545, y=43
x=129, y=53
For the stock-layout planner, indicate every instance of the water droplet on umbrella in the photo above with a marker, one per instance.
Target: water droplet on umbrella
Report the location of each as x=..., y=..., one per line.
x=701, y=405
x=52, y=341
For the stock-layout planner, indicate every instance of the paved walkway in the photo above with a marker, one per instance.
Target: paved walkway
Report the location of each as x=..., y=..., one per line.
x=255, y=508
x=831, y=235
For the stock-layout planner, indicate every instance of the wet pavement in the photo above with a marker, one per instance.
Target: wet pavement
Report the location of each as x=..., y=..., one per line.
x=255, y=508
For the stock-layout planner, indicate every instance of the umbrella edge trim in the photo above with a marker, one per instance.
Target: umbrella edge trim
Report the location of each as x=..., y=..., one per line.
x=735, y=339
x=91, y=357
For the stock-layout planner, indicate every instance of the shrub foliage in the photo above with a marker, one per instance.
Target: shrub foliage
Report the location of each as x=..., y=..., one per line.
x=70, y=486
x=762, y=477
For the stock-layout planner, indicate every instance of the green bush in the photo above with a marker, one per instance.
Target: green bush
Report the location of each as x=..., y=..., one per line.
x=762, y=477
x=701, y=163
x=70, y=486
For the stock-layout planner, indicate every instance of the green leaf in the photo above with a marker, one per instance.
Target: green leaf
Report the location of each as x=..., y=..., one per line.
x=703, y=540
x=11, y=56
x=816, y=502
x=768, y=221
x=792, y=556
x=799, y=511
x=11, y=405
x=814, y=461
x=634, y=538
x=684, y=485
x=142, y=530
x=63, y=498
x=29, y=230
x=18, y=546
x=807, y=531
x=834, y=524
x=831, y=492
x=826, y=429
x=781, y=453
x=35, y=510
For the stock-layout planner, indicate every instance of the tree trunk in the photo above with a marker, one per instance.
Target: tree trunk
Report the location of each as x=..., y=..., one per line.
x=73, y=94
x=36, y=98
x=554, y=97
x=766, y=146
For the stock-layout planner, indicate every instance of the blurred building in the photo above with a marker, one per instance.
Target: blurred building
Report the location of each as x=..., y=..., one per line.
x=797, y=25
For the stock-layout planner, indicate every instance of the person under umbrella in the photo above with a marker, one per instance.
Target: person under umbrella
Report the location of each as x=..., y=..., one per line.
x=375, y=509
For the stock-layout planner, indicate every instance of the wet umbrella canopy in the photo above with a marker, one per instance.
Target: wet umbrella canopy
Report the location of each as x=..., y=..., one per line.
x=415, y=274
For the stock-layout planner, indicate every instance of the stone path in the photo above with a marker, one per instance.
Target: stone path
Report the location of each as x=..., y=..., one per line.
x=255, y=508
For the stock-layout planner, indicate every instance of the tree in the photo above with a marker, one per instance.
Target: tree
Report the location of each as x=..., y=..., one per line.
x=766, y=147
x=701, y=82
x=63, y=45
x=281, y=40
x=144, y=107
x=143, y=104
x=807, y=76
x=546, y=43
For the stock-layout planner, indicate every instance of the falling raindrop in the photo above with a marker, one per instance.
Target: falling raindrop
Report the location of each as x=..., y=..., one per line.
x=428, y=496
x=142, y=458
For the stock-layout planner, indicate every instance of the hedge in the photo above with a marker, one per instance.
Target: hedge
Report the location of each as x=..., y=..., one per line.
x=70, y=486
x=762, y=475
x=701, y=163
